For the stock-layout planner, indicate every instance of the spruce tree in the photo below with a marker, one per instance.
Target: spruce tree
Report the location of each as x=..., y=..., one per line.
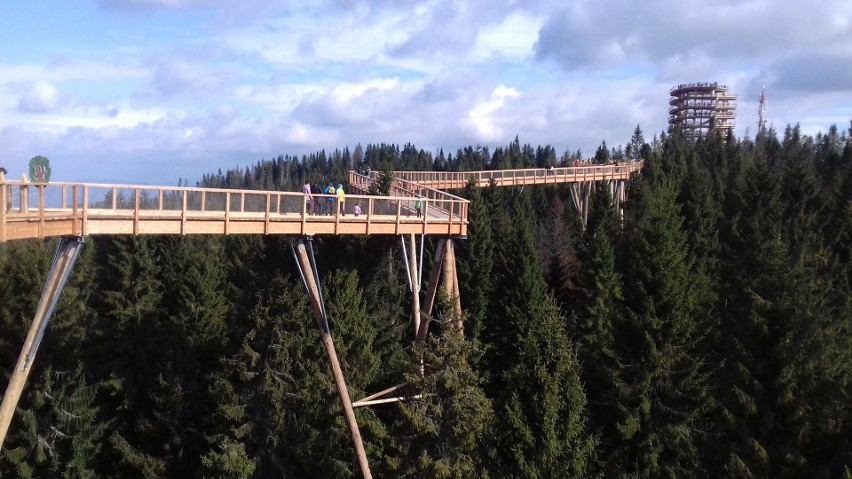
x=664, y=397
x=475, y=262
x=556, y=247
x=801, y=197
x=59, y=433
x=442, y=429
x=354, y=331
x=179, y=349
x=779, y=383
x=534, y=375
x=546, y=433
x=600, y=328
x=261, y=393
x=387, y=293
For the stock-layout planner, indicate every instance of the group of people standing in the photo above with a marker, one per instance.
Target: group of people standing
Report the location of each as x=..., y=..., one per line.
x=325, y=205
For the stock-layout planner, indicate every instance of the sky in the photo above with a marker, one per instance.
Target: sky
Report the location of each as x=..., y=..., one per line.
x=150, y=91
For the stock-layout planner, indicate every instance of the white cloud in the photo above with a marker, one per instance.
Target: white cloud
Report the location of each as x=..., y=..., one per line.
x=513, y=38
x=197, y=85
x=39, y=97
x=482, y=116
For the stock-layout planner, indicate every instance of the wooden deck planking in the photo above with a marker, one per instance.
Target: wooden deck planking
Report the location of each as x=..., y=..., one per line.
x=130, y=222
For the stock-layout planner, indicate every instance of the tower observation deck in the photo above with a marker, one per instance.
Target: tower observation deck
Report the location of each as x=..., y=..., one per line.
x=699, y=107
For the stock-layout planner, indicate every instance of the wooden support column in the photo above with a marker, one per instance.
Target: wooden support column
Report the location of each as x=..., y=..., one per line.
x=63, y=263
x=457, y=298
x=449, y=285
x=415, y=283
x=432, y=289
x=452, y=284
x=580, y=194
x=619, y=196
x=311, y=284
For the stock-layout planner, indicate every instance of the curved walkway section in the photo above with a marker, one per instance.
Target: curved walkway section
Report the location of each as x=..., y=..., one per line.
x=448, y=180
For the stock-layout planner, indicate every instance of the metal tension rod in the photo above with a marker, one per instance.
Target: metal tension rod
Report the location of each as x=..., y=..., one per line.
x=307, y=269
x=63, y=262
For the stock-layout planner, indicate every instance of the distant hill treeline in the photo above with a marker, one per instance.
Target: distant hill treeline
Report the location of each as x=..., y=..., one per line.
x=704, y=334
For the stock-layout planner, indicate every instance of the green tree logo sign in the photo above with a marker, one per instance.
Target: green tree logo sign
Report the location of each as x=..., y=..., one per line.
x=39, y=169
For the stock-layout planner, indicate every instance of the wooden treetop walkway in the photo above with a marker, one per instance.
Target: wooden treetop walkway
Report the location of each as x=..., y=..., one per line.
x=30, y=210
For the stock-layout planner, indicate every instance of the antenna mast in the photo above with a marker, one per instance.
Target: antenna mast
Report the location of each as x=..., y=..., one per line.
x=761, y=112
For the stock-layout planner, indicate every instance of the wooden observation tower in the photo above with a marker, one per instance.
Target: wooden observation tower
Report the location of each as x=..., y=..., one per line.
x=699, y=107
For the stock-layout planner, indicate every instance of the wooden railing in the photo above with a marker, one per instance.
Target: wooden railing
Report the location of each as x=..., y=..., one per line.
x=36, y=211
x=565, y=174
x=434, y=203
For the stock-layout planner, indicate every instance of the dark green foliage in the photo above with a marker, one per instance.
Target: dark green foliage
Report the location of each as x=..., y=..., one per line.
x=475, y=262
x=441, y=434
x=784, y=368
x=386, y=295
x=556, y=245
x=24, y=265
x=707, y=333
x=601, y=326
x=60, y=434
x=534, y=375
x=260, y=384
x=666, y=390
x=382, y=185
x=544, y=413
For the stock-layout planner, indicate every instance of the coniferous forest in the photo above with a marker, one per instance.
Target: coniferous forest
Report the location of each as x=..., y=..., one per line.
x=704, y=333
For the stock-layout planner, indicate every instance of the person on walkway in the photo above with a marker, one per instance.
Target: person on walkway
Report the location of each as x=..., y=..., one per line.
x=418, y=206
x=329, y=190
x=341, y=199
x=357, y=209
x=316, y=191
x=309, y=200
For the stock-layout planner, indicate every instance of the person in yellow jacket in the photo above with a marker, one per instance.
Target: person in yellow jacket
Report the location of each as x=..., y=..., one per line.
x=341, y=199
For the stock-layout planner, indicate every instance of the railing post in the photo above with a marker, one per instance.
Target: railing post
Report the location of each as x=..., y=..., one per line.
x=135, y=211
x=227, y=210
x=75, y=228
x=266, y=215
x=425, y=214
x=40, y=211
x=85, y=226
x=25, y=198
x=369, y=212
x=183, y=214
